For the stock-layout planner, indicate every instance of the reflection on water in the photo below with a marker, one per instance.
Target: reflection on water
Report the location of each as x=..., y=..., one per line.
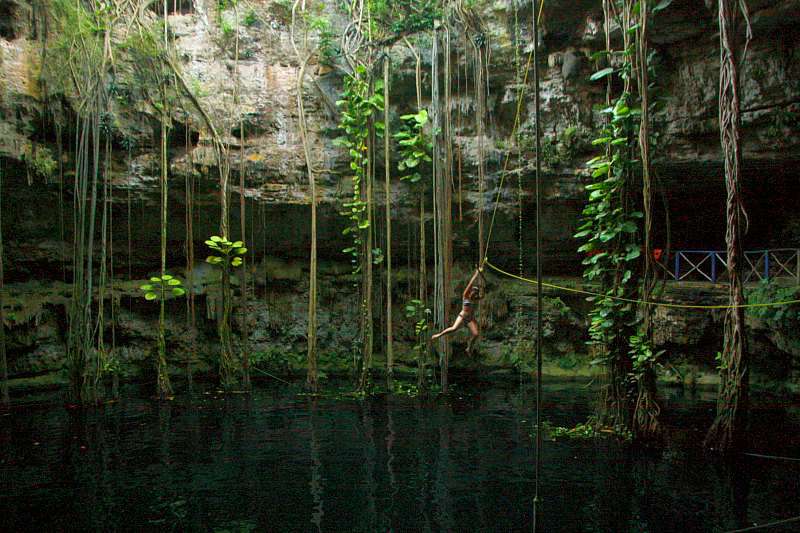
x=277, y=461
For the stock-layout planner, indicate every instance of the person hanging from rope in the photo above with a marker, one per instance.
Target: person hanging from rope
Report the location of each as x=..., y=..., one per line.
x=467, y=315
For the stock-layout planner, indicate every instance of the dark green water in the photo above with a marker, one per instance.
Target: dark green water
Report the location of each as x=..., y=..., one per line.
x=277, y=461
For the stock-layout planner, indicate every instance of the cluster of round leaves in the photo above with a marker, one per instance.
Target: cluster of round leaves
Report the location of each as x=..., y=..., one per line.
x=230, y=253
x=415, y=145
x=162, y=287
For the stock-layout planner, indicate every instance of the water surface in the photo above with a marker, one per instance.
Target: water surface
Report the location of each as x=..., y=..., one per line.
x=280, y=461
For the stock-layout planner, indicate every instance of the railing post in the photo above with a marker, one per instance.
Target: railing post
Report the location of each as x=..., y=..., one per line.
x=713, y=267
x=678, y=266
x=797, y=255
x=766, y=265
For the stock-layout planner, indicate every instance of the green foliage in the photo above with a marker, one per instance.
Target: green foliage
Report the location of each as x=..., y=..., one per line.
x=783, y=121
x=227, y=29
x=560, y=149
x=405, y=388
x=162, y=288
x=608, y=227
x=781, y=317
x=276, y=360
x=642, y=354
x=152, y=78
x=327, y=39
x=359, y=106
x=520, y=356
x=227, y=253
x=579, y=432
x=76, y=50
x=250, y=19
x=406, y=16
x=585, y=431
x=39, y=160
x=415, y=146
x=416, y=311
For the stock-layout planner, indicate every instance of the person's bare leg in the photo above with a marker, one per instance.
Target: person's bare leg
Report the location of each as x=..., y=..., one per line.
x=473, y=329
x=451, y=329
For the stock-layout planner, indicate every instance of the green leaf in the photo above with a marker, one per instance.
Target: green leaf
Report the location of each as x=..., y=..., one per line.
x=155, y=279
x=662, y=5
x=146, y=288
x=216, y=238
x=174, y=282
x=178, y=291
x=166, y=277
x=633, y=253
x=150, y=296
x=601, y=73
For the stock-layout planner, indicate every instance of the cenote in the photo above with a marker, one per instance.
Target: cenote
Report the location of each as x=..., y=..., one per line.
x=400, y=265
x=279, y=460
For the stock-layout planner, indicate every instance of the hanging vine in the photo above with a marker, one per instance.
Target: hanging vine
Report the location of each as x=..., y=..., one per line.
x=615, y=256
x=732, y=403
x=360, y=101
x=415, y=149
x=3, y=361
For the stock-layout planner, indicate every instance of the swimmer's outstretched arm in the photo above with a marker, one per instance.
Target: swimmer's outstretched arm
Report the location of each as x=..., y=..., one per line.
x=468, y=288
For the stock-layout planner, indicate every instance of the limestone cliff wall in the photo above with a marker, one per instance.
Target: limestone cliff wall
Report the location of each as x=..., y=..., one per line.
x=688, y=160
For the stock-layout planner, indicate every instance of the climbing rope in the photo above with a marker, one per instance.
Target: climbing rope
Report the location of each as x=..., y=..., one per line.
x=776, y=457
x=539, y=294
x=767, y=525
x=514, y=127
x=636, y=301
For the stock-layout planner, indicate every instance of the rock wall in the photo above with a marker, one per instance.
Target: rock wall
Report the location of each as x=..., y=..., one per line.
x=259, y=95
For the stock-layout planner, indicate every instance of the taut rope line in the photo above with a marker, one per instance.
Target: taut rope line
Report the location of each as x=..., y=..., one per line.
x=633, y=300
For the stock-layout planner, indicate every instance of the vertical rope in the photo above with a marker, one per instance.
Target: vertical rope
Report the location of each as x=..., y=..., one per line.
x=388, y=200
x=440, y=291
x=539, y=295
x=518, y=81
x=3, y=361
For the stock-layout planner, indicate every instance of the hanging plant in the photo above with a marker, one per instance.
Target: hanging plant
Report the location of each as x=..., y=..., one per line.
x=162, y=288
x=609, y=228
x=415, y=146
x=228, y=254
x=358, y=107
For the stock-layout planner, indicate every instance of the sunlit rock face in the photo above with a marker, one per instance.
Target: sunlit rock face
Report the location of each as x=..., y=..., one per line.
x=253, y=103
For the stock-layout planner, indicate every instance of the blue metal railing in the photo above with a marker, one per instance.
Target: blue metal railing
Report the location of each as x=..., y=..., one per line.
x=711, y=265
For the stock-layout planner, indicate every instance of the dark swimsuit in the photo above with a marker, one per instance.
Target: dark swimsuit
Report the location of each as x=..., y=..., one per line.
x=464, y=317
